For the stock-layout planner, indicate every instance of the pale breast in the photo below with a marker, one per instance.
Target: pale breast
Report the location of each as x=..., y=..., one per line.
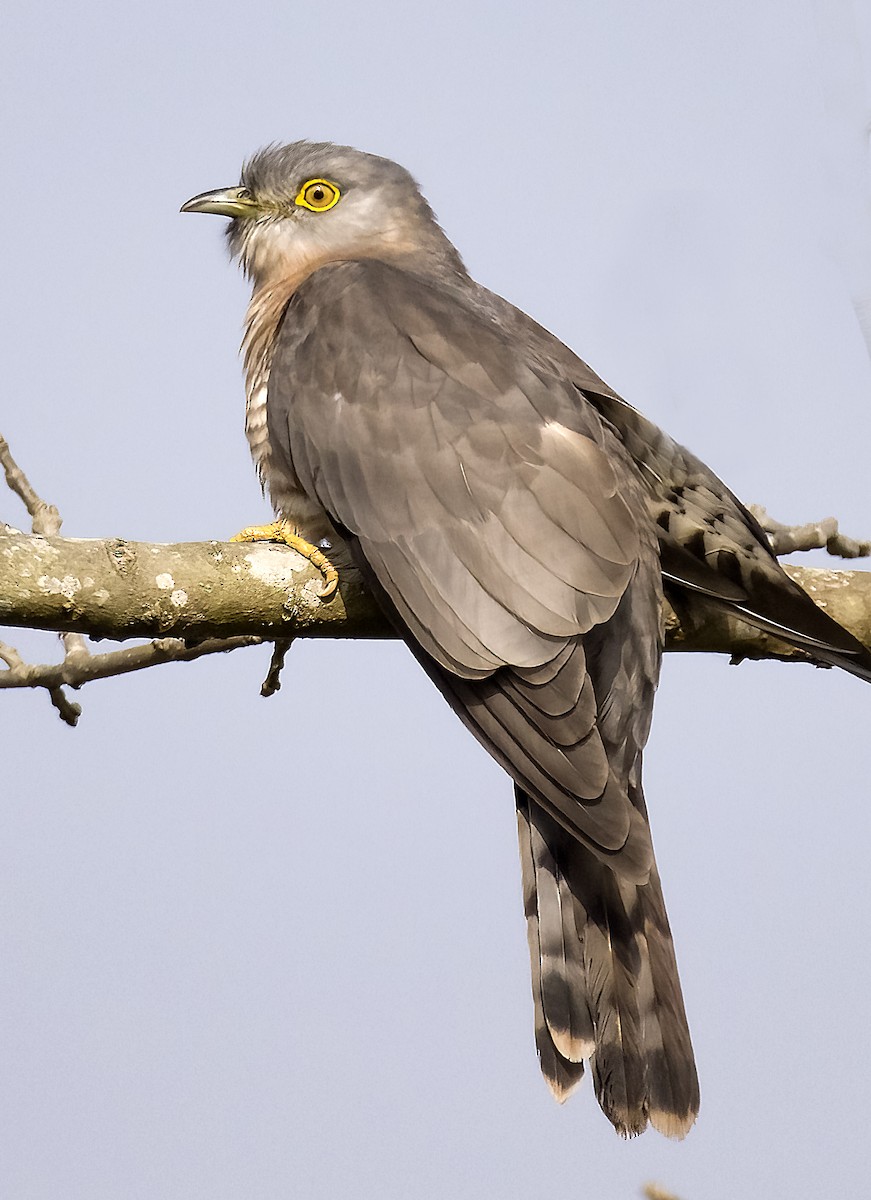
x=279, y=481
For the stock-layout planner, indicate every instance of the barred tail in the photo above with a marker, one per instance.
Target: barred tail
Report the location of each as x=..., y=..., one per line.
x=605, y=982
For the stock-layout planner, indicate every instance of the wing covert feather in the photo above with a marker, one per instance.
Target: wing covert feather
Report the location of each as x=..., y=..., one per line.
x=410, y=394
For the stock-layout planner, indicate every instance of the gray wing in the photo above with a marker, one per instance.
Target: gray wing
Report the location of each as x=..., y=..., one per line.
x=504, y=529
x=486, y=508
x=710, y=545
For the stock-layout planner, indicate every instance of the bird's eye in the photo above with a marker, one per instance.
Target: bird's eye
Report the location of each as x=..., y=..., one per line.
x=244, y=193
x=318, y=195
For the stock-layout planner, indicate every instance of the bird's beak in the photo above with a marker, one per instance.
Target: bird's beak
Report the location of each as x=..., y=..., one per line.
x=228, y=202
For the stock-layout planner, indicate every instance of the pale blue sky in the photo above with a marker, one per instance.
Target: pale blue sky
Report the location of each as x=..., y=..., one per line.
x=220, y=978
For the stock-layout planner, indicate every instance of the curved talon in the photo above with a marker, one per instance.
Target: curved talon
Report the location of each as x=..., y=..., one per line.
x=331, y=576
x=282, y=531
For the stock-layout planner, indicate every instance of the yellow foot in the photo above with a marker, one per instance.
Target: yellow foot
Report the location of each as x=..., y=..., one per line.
x=282, y=531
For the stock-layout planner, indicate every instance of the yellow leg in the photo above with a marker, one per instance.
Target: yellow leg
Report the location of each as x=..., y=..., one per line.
x=282, y=531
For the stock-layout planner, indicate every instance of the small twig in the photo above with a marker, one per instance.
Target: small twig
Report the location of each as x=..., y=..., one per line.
x=272, y=683
x=652, y=1191
x=75, y=672
x=46, y=522
x=46, y=518
x=817, y=535
x=75, y=646
x=68, y=711
x=10, y=656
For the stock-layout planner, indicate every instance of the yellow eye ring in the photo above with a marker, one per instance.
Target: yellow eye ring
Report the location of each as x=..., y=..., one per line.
x=318, y=195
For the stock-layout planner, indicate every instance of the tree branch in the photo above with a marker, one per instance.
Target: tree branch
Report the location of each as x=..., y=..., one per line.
x=204, y=598
x=117, y=662
x=217, y=590
x=192, y=590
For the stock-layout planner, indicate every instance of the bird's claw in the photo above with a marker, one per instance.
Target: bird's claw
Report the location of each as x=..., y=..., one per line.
x=282, y=531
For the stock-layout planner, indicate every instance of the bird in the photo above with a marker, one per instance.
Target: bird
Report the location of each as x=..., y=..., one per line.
x=518, y=523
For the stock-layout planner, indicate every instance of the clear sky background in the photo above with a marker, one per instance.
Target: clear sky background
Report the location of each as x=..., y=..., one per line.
x=270, y=949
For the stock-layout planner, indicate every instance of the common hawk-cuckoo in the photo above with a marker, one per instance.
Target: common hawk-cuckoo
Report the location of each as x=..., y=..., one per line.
x=516, y=521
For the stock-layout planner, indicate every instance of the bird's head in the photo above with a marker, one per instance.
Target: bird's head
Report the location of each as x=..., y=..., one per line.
x=306, y=204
